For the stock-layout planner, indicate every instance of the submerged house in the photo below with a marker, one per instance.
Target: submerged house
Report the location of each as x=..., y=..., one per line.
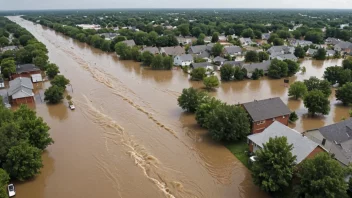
x=28, y=70
x=263, y=113
x=303, y=147
x=183, y=60
x=21, y=91
x=252, y=66
x=172, y=51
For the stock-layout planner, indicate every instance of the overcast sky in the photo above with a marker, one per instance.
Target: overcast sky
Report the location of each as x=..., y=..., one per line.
x=89, y=4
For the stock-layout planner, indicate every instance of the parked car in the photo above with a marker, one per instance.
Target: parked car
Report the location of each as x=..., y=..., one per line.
x=11, y=189
x=72, y=107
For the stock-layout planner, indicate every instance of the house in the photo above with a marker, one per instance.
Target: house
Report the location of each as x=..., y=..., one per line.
x=21, y=91
x=252, y=66
x=204, y=55
x=198, y=49
x=281, y=49
x=129, y=43
x=343, y=46
x=109, y=36
x=246, y=41
x=207, y=39
x=219, y=60
x=302, y=43
x=2, y=83
x=232, y=51
x=8, y=48
x=342, y=26
x=265, y=36
x=222, y=38
x=336, y=139
x=28, y=70
x=263, y=113
x=205, y=65
x=332, y=41
x=330, y=53
x=311, y=52
x=303, y=147
x=173, y=51
x=183, y=60
x=235, y=63
x=153, y=50
x=186, y=40
x=284, y=57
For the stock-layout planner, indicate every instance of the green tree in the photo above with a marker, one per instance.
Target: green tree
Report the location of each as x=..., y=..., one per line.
x=196, y=31
x=23, y=161
x=344, y=93
x=251, y=56
x=147, y=58
x=314, y=36
x=273, y=168
x=248, y=33
x=216, y=50
x=228, y=122
x=278, y=69
x=168, y=62
x=278, y=41
x=321, y=54
x=293, y=117
x=296, y=34
x=215, y=37
x=226, y=72
x=198, y=74
x=332, y=74
x=204, y=109
x=344, y=77
x=52, y=70
x=313, y=83
x=35, y=127
x=8, y=67
x=200, y=40
x=191, y=99
x=239, y=73
x=257, y=74
x=321, y=176
x=272, y=37
x=184, y=29
x=105, y=46
x=4, y=41
x=41, y=61
x=157, y=62
x=10, y=135
x=4, y=179
x=299, y=52
x=284, y=34
x=24, y=39
x=135, y=54
x=152, y=37
x=60, y=81
x=54, y=94
x=211, y=82
x=297, y=90
x=316, y=102
x=347, y=63
x=262, y=56
x=293, y=67
x=123, y=51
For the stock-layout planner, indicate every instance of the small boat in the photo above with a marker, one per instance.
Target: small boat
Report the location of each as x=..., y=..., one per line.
x=11, y=189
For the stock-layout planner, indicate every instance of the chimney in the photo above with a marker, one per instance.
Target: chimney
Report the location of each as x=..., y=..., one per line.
x=323, y=142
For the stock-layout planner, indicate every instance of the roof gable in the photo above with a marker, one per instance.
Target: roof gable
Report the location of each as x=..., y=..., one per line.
x=266, y=109
x=338, y=132
x=302, y=145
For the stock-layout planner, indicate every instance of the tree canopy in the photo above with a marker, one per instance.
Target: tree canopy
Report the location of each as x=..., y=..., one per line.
x=226, y=72
x=211, y=82
x=317, y=102
x=344, y=93
x=198, y=74
x=313, y=83
x=191, y=99
x=297, y=90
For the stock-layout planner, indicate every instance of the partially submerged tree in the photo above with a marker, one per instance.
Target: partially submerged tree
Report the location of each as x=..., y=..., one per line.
x=191, y=99
x=317, y=102
x=297, y=90
x=226, y=72
x=54, y=94
x=198, y=74
x=211, y=82
x=344, y=93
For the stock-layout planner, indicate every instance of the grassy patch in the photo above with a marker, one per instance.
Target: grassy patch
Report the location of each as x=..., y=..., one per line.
x=240, y=150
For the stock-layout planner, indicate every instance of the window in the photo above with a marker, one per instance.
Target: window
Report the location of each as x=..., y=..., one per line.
x=261, y=122
x=283, y=116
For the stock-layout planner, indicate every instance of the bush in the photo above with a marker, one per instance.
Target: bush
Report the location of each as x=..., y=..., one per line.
x=293, y=117
x=211, y=82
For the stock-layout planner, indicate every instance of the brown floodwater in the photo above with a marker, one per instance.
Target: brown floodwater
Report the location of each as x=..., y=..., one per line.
x=128, y=137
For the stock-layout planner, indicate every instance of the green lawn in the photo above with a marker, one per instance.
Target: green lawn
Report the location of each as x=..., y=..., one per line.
x=240, y=150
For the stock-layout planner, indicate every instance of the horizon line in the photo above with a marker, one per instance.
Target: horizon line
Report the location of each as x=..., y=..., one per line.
x=70, y=9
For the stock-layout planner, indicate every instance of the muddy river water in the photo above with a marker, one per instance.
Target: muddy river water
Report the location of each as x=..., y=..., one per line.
x=128, y=137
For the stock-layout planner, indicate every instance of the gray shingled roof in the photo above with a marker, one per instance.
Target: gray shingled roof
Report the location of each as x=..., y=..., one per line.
x=262, y=65
x=302, y=146
x=339, y=132
x=285, y=56
x=153, y=50
x=344, y=45
x=219, y=59
x=23, y=85
x=186, y=57
x=26, y=68
x=174, y=51
x=311, y=51
x=234, y=63
x=198, y=65
x=198, y=49
x=232, y=50
x=129, y=43
x=265, y=109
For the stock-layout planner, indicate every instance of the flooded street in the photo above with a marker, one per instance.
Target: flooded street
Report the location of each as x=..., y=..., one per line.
x=129, y=138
